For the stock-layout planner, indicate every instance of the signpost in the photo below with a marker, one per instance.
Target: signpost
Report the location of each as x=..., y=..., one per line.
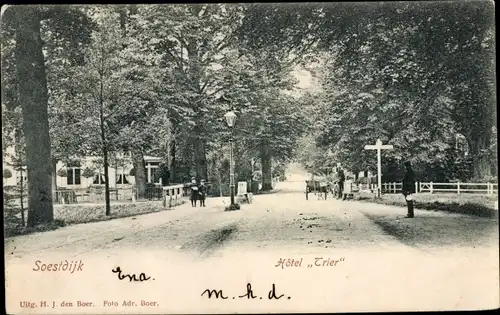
x=379, y=146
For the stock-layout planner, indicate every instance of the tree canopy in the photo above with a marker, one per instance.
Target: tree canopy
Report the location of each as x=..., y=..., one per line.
x=158, y=79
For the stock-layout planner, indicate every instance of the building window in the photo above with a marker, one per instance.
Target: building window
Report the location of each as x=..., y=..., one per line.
x=153, y=178
x=99, y=180
x=122, y=179
x=152, y=170
x=74, y=175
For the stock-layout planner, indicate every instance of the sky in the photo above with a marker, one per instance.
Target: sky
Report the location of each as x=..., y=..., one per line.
x=306, y=81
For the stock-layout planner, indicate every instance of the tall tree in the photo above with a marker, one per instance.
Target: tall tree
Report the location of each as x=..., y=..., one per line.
x=395, y=73
x=22, y=27
x=197, y=45
x=33, y=97
x=97, y=97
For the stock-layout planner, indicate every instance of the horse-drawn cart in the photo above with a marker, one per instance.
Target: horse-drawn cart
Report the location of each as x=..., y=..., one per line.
x=317, y=187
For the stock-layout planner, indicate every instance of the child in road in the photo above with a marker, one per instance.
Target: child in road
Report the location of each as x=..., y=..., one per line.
x=202, y=190
x=336, y=190
x=194, y=192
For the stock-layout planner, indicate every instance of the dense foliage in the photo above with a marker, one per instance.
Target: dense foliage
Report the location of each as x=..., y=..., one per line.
x=157, y=80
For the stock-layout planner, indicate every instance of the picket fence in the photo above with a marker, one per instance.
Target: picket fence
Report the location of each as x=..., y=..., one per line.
x=123, y=194
x=431, y=187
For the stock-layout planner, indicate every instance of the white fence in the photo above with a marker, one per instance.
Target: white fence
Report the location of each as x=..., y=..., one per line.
x=91, y=195
x=431, y=187
x=172, y=195
x=131, y=193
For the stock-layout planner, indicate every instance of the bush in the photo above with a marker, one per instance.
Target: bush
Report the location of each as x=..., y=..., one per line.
x=132, y=172
x=7, y=173
x=62, y=172
x=88, y=173
x=77, y=214
x=485, y=179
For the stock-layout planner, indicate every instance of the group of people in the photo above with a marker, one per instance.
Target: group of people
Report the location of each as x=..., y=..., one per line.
x=408, y=189
x=197, y=192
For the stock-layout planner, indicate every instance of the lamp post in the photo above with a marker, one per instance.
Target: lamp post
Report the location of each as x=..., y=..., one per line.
x=230, y=120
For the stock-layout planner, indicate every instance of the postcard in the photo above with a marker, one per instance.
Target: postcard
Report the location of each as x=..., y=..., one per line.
x=250, y=158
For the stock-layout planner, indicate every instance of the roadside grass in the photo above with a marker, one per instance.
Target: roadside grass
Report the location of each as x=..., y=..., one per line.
x=437, y=231
x=78, y=214
x=449, y=220
x=476, y=205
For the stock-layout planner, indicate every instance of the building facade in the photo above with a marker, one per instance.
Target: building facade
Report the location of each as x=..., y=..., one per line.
x=73, y=175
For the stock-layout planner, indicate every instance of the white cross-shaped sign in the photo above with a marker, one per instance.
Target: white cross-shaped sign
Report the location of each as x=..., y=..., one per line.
x=379, y=146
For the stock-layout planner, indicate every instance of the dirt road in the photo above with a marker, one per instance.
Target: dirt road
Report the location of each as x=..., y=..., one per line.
x=353, y=256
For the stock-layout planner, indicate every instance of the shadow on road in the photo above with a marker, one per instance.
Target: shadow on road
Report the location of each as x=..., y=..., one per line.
x=439, y=231
x=209, y=242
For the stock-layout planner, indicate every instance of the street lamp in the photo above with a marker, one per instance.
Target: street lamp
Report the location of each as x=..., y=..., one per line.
x=230, y=120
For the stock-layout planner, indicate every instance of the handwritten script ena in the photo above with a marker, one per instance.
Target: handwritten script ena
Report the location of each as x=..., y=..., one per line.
x=250, y=294
x=133, y=277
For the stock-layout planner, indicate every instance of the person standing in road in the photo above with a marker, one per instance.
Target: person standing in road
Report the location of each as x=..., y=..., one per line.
x=202, y=190
x=409, y=188
x=194, y=192
x=323, y=188
x=341, y=180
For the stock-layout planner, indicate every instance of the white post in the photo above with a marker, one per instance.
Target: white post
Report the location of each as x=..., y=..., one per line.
x=431, y=188
x=378, y=146
x=416, y=187
x=458, y=188
x=149, y=173
x=164, y=199
x=231, y=170
x=379, y=171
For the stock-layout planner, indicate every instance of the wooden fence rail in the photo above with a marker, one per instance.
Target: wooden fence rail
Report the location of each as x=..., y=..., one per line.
x=431, y=187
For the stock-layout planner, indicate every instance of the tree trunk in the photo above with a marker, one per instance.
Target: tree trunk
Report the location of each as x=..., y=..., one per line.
x=172, y=165
x=205, y=174
x=106, y=180
x=480, y=161
x=33, y=97
x=104, y=148
x=21, y=192
x=481, y=167
x=267, y=177
x=199, y=157
x=54, y=179
x=140, y=173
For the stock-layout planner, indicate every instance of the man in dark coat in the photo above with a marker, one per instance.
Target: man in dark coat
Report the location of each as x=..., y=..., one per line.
x=341, y=180
x=409, y=188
